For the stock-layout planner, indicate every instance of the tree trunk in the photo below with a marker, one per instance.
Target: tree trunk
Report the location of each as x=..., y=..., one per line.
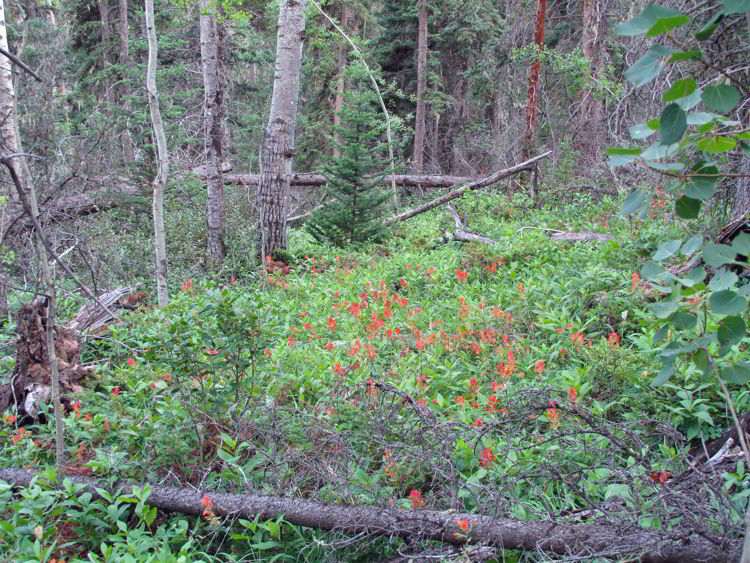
x=575, y=541
x=106, y=45
x=123, y=30
x=213, y=114
x=308, y=179
x=278, y=140
x=533, y=94
x=340, y=83
x=8, y=131
x=589, y=137
x=741, y=203
x=160, y=181
x=421, y=114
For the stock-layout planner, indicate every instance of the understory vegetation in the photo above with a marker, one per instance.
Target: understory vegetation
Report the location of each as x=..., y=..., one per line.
x=510, y=380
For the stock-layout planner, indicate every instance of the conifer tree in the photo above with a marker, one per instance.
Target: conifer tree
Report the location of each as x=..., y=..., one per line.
x=355, y=203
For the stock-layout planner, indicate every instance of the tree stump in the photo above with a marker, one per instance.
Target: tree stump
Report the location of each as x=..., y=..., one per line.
x=30, y=382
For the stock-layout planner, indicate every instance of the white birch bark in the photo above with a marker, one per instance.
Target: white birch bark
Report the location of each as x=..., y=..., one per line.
x=160, y=182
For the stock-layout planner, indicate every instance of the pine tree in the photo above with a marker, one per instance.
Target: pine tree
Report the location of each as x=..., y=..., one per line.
x=355, y=205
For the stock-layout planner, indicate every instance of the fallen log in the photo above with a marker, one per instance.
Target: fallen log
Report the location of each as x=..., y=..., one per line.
x=473, y=185
x=462, y=234
x=310, y=180
x=554, y=538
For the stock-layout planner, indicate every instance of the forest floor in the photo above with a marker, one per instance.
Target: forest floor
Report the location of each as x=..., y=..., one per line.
x=510, y=380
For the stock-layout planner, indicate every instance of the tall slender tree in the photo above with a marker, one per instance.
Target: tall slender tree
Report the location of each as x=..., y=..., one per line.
x=162, y=157
x=212, y=38
x=533, y=94
x=421, y=113
x=278, y=140
x=341, y=60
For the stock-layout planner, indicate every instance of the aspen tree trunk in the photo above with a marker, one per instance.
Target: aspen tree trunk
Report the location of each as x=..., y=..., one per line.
x=8, y=132
x=340, y=83
x=421, y=115
x=211, y=31
x=590, y=135
x=531, y=104
x=160, y=182
x=278, y=139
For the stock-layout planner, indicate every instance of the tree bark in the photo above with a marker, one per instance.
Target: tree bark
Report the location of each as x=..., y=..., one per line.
x=480, y=183
x=211, y=31
x=533, y=93
x=589, y=137
x=741, y=202
x=421, y=113
x=8, y=131
x=162, y=156
x=549, y=537
x=123, y=31
x=106, y=44
x=278, y=141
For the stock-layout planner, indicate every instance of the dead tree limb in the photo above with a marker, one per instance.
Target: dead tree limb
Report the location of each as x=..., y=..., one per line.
x=612, y=541
x=462, y=234
x=473, y=185
x=310, y=180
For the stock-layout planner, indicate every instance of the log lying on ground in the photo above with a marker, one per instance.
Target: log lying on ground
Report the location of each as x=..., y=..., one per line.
x=473, y=185
x=30, y=382
x=587, y=540
x=310, y=180
x=462, y=234
x=92, y=316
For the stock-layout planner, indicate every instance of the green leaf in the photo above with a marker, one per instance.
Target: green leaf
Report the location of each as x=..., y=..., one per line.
x=703, y=415
x=656, y=151
x=667, y=249
x=685, y=55
x=701, y=359
x=673, y=124
x=745, y=148
x=716, y=144
x=687, y=207
x=682, y=320
x=645, y=69
x=661, y=334
x=654, y=124
x=634, y=202
x=716, y=255
x=739, y=374
x=616, y=160
x=706, y=32
x=721, y=98
x=648, y=19
x=690, y=101
x=695, y=276
x=664, y=374
x=641, y=131
x=662, y=309
x=727, y=302
x=724, y=279
x=736, y=7
x=667, y=166
x=731, y=330
x=700, y=117
x=680, y=89
x=741, y=244
x=654, y=272
x=691, y=245
x=699, y=190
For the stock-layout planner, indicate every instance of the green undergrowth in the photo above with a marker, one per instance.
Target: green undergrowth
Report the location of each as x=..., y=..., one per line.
x=413, y=374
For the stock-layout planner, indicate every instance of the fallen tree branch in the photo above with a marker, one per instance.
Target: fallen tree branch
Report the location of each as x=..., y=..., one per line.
x=462, y=234
x=631, y=542
x=307, y=179
x=473, y=185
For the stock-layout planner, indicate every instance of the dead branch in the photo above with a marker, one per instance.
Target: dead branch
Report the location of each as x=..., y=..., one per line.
x=647, y=546
x=462, y=234
x=310, y=180
x=473, y=185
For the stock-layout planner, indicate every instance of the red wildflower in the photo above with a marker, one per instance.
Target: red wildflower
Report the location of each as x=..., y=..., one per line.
x=212, y=352
x=540, y=367
x=417, y=501
x=331, y=323
x=116, y=391
x=487, y=457
x=572, y=394
x=131, y=362
x=460, y=400
x=462, y=276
